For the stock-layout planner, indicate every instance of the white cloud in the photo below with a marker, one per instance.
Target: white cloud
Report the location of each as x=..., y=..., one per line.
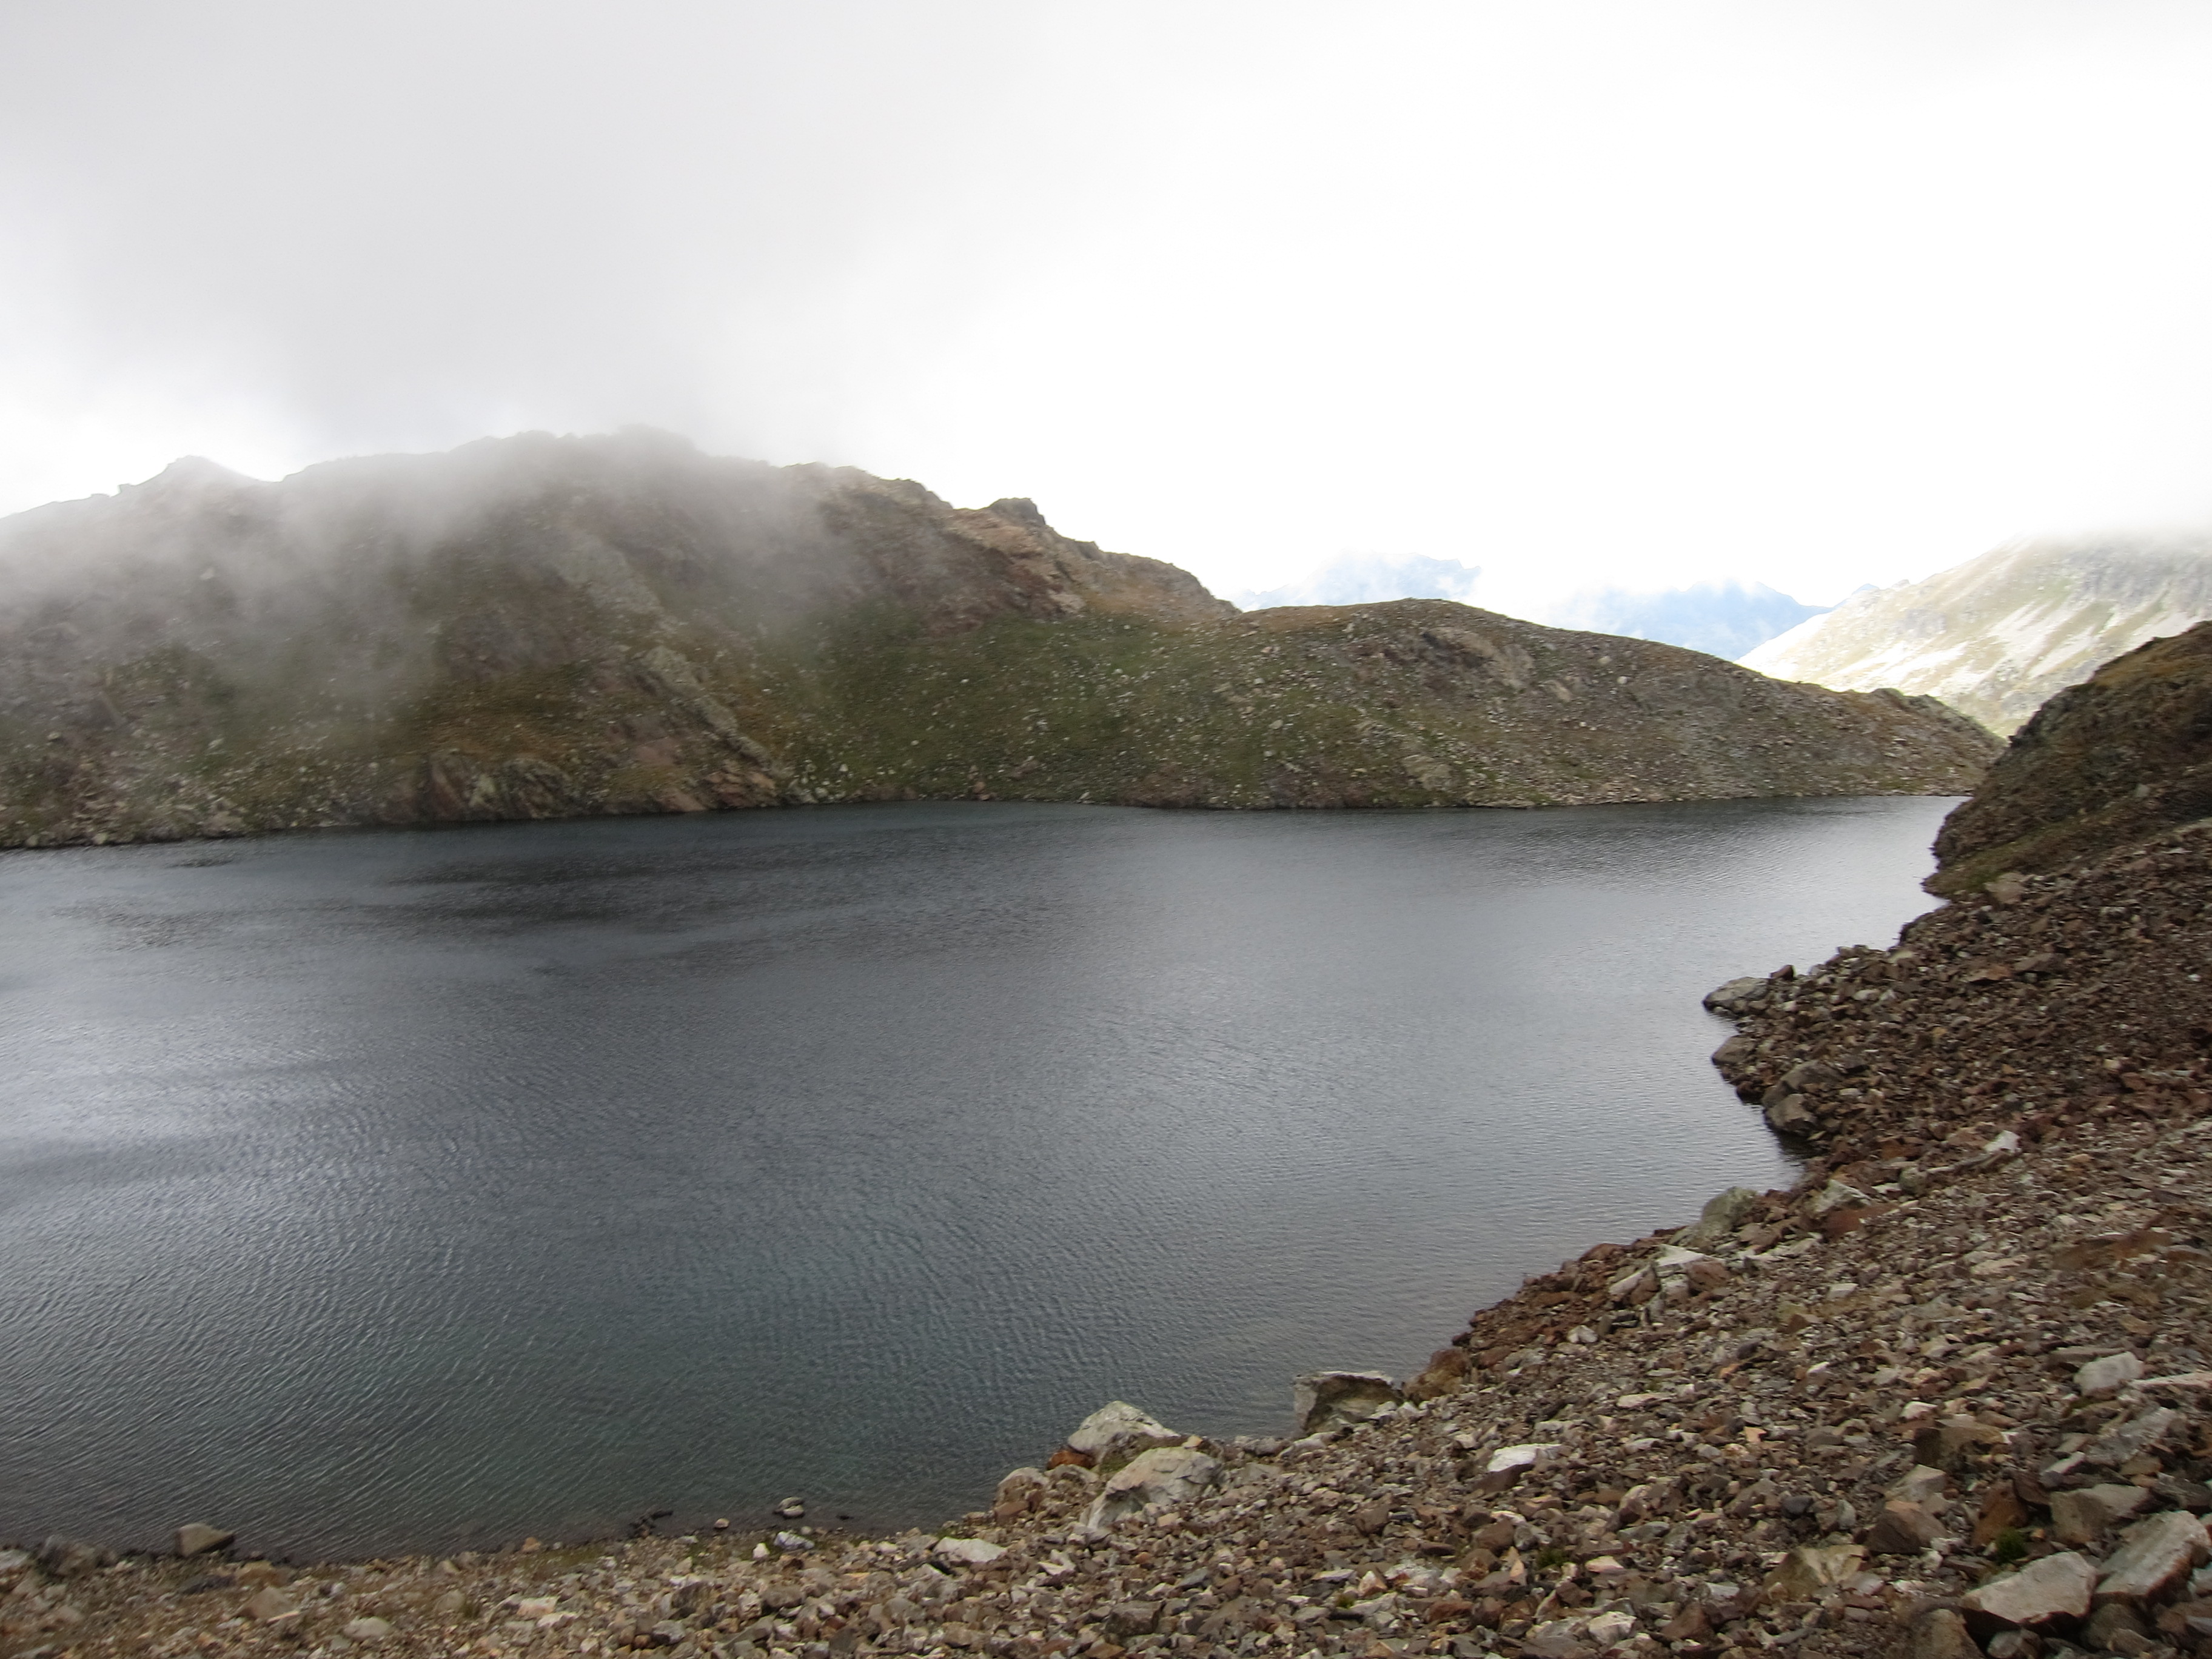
x=1588, y=290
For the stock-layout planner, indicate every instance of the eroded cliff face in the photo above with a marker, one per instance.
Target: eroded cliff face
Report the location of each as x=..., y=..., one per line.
x=538, y=628
x=2100, y=765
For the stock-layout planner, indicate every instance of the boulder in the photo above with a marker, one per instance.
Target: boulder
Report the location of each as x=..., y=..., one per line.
x=1789, y=1112
x=1119, y=1431
x=370, y=1630
x=1811, y=1074
x=68, y=1557
x=1736, y=996
x=1680, y=1271
x=1951, y=1443
x=2100, y=1379
x=1511, y=1460
x=1020, y=1492
x=1807, y=1570
x=269, y=1604
x=2083, y=1515
x=2154, y=1556
x=1126, y=1619
x=1722, y=1213
x=197, y=1538
x=1833, y=1196
x=1940, y=1633
x=1152, y=1480
x=969, y=1551
x=2109, y=1628
x=2138, y=1434
x=1920, y=1485
x=2057, y=1587
x=1557, y=1638
x=1903, y=1528
x=1607, y=1628
x=1326, y=1400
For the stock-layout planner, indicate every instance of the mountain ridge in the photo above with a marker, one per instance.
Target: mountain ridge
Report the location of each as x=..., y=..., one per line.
x=542, y=627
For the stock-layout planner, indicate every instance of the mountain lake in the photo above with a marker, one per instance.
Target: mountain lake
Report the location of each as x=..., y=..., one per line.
x=414, y=1190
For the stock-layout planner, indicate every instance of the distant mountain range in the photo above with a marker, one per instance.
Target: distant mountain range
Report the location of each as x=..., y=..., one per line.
x=1720, y=618
x=542, y=627
x=1999, y=635
x=1724, y=618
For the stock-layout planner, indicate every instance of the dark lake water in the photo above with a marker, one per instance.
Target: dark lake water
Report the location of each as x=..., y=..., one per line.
x=373, y=1191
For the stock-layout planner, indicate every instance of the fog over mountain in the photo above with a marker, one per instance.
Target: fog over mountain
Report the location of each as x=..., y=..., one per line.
x=1997, y=636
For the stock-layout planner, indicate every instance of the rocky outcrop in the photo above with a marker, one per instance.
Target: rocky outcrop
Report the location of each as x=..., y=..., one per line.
x=542, y=627
x=2000, y=636
x=2099, y=766
x=2068, y=998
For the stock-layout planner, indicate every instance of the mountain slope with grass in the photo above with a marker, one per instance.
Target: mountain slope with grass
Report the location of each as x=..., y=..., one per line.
x=541, y=627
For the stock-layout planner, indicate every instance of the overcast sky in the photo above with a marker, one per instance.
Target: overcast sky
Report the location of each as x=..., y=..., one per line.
x=1577, y=290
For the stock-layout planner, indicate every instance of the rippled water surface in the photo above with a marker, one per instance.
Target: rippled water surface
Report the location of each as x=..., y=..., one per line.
x=374, y=1191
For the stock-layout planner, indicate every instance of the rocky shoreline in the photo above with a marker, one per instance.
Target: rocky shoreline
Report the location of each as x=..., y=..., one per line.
x=1947, y=1396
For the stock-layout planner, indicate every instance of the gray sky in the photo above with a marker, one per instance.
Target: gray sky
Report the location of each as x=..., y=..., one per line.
x=1575, y=290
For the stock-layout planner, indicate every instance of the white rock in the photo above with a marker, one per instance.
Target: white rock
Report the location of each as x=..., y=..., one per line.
x=2101, y=1378
x=1152, y=1480
x=2153, y=1555
x=976, y=1552
x=2139, y=1433
x=1118, y=1426
x=1521, y=1457
x=371, y=1630
x=2057, y=1586
x=1609, y=1628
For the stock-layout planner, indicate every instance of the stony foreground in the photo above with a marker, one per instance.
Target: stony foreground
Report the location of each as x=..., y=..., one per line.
x=1949, y=1396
